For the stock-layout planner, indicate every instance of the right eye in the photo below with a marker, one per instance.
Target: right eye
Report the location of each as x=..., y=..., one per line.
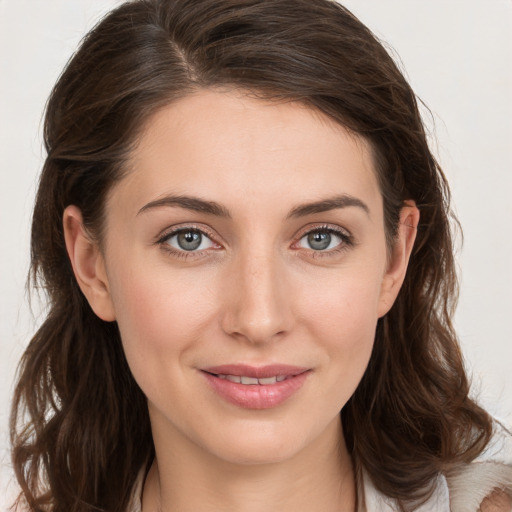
x=188, y=240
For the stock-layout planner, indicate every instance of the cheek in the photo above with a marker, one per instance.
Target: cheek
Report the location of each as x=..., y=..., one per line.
x=344, y=304
x=349, y=330
x=160, y=316
x=343, y=320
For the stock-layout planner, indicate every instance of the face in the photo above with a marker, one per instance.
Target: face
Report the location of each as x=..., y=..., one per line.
x=245, y=262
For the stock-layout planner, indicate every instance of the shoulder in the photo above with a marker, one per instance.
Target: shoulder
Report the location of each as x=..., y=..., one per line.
x=480, y=486
x=485, y=485
x=474, y=487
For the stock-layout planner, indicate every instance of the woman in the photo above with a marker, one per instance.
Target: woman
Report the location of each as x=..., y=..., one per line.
x=242, y=232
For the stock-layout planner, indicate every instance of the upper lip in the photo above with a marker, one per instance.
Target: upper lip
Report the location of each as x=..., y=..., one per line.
x=258, y=372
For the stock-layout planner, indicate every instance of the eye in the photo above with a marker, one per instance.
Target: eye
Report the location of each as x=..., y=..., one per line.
x=188, y=240
x=323, y=239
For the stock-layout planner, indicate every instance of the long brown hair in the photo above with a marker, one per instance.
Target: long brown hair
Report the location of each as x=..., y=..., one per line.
x=80, y=428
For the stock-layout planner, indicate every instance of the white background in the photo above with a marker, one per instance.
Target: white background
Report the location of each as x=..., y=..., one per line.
x=458, y=57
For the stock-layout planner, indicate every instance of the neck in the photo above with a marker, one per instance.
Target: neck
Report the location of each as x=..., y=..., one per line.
x=320, y=477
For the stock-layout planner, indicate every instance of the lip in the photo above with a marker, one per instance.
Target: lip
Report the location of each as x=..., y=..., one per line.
x=258, y=372
x=256, y=396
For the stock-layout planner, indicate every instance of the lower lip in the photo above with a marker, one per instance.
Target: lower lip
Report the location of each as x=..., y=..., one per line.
x=256, y=396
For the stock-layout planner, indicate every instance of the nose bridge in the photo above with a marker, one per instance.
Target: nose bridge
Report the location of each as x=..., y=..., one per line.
x=257, y=306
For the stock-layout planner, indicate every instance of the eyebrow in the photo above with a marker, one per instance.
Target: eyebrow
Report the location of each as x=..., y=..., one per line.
x=216, y=209
x=333, y=203
x=189, y=203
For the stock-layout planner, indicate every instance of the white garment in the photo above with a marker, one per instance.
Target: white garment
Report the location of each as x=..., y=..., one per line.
x=375, y=501
x=491, y=469
x=460, y=491
x=464, y=491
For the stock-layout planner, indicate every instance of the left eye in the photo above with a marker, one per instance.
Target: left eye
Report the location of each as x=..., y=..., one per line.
x=320, y=240
x=189, y=240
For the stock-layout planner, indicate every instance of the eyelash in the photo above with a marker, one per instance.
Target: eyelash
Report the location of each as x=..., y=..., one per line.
x=346, y=243
x=164, y=239
x=347, y=240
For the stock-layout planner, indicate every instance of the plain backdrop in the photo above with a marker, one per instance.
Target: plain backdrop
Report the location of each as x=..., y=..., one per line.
x=457, y=55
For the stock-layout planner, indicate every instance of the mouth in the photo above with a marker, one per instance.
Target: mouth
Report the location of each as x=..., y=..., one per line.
x=256, y=387
x=253, y=381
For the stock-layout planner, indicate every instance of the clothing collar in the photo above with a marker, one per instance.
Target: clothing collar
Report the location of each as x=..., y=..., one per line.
x=369, y=498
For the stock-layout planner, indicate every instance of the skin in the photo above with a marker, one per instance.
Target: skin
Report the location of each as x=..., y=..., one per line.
x=497, y=501
x=256, y=293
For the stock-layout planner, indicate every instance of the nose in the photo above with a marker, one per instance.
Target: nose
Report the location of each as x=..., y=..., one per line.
x=257, y=301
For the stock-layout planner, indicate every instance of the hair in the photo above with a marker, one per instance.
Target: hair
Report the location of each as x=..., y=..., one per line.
x=80, y=429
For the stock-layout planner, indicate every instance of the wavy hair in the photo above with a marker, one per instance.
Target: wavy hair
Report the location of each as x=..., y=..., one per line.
x=80, y=429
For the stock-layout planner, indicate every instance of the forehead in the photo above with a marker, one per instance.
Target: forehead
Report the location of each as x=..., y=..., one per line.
x=227, y=146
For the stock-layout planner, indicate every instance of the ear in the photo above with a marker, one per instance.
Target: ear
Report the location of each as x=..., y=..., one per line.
x=88, y=264
x=399, y=256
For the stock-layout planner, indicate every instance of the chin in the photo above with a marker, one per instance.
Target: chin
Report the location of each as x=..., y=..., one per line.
x=257, y=452
x=271, y=442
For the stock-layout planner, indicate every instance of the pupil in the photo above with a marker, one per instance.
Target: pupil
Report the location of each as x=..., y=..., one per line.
x=319, y=240
x=189, y=240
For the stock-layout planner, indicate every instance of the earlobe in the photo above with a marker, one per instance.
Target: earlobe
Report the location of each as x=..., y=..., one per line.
x=399, y=256
x=88, y=264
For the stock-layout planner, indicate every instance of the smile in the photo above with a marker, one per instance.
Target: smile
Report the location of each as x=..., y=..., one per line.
x=253, y=381
x=256, y=387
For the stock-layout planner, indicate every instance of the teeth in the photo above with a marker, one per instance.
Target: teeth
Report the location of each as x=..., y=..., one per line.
x=248, y=380
x=252, y=380
x=268, y=380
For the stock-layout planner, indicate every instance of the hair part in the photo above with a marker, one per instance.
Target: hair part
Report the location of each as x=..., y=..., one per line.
x=409, y=419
